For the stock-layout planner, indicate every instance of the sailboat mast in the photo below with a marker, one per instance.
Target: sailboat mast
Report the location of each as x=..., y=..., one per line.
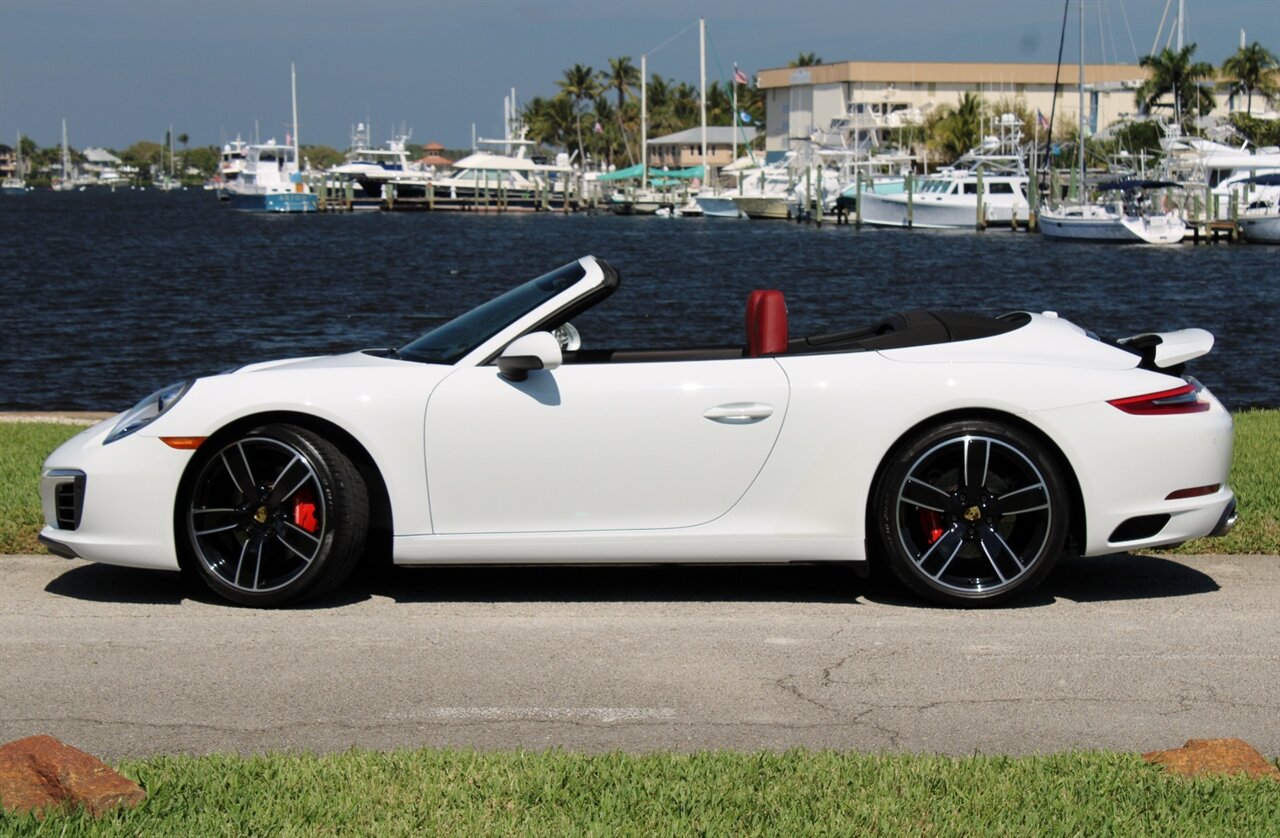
x=293, y=79
x=644, y=123
x=1080, y=137
x=702, y=60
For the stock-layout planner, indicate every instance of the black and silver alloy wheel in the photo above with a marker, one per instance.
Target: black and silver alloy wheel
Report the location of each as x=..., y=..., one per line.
x=971, y=513
x=275, y=515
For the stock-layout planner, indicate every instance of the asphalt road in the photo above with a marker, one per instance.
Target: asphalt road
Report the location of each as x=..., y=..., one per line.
x=1127, y=652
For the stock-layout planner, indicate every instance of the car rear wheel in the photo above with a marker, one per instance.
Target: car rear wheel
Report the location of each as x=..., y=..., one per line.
x=971, y=512
x=276, y=515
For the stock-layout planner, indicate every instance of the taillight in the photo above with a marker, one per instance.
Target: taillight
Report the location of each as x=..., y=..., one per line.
x=1184, y=399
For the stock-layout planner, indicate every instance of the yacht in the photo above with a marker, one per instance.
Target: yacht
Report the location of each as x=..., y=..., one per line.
x=488, y=179
x=1203, y=163
x=372, y=168
x=1259, y=221
x=270, y=181
x=949, y=198
x=230, y=166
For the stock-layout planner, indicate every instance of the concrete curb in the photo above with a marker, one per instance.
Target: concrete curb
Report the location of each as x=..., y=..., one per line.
x=58, y=417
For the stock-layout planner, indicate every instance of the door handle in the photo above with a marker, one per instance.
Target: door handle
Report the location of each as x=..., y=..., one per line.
x=739, y=413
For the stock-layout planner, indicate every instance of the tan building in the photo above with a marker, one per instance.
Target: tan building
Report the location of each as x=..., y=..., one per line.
x=802, y=100
x=683, y=149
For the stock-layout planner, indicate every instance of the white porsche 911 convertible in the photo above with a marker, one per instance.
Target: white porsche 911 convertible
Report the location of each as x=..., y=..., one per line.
x=966, y=452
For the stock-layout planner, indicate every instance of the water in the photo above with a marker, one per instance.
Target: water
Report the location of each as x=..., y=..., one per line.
x=108, y=296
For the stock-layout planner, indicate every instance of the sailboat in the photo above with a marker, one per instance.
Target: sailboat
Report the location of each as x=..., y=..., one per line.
x=1131, y=219
x=65, y=181
x=165, y=181
x=14, y=184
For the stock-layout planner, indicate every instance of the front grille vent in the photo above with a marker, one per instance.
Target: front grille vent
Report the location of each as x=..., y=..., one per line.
x=69, y=502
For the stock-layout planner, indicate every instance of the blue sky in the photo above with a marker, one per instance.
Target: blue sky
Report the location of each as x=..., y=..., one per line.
x=123, y=70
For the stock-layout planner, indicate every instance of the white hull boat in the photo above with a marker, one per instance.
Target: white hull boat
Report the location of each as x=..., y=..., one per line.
x=1093, y=222
x=1260, y=228
x=719, y=206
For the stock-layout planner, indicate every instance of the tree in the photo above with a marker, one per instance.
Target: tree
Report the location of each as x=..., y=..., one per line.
x=580, y=85
x=806, y=59
x=550, y=121
x=621, y=77
x=954, y=130
x=1252, y=68
x=1173, y=73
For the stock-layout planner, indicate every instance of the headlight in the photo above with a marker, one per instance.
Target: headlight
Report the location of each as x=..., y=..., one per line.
x=148, y=410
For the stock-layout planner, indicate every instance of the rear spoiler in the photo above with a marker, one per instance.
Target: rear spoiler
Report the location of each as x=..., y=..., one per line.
x=1168, y=351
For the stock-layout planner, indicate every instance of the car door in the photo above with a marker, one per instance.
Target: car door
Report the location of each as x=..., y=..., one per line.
x=599, y=446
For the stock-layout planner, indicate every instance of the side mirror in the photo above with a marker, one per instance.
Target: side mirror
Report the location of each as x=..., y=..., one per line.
x=536, y=351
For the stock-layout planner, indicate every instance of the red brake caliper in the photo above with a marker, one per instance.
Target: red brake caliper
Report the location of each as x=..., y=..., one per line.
x=304, y=510
x=932, y=523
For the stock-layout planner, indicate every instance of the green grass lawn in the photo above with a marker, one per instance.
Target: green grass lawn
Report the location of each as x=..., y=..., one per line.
x=1255, y=476
x=23, y=447
x=557, y=793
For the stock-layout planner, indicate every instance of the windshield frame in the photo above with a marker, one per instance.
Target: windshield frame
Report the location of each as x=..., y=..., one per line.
x=480, y=333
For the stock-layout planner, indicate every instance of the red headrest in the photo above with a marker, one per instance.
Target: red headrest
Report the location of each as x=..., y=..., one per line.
x=766, y=324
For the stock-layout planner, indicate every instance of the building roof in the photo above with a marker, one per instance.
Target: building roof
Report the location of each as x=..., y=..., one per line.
x=716, y=135
x=433, y=147
x=100, y=155
x=946, y=72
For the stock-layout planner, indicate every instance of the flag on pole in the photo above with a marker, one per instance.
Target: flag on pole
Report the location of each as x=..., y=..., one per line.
x=599, y=129
x=739, y=77
x=1041, y=121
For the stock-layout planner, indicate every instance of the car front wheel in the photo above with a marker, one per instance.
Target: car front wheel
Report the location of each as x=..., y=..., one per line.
x=971, y=512
x=275, y=515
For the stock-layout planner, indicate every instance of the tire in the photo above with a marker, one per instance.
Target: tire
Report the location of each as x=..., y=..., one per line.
x=276, y=515
x=971, y=513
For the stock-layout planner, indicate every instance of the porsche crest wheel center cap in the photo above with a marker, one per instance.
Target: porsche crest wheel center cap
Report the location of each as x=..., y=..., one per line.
x=973, y=513
x=261, y=515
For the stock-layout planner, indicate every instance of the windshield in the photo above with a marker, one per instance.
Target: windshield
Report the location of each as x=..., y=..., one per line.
x=449, y=343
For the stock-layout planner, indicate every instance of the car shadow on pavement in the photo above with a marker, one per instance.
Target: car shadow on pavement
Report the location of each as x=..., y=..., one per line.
x=1108, y=578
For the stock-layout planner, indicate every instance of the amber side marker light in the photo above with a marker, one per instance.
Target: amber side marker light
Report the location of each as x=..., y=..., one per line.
x=1196, y=492
x=184, y=443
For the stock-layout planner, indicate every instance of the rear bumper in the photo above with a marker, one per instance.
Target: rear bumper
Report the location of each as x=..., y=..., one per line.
x=1227, y=522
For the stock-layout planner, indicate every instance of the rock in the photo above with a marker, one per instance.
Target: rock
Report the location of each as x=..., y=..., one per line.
x=41, y=773
x=1214, y=756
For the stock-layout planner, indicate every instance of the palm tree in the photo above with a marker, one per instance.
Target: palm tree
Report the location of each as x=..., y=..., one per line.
x=955, y=130
x=1174, y=73
x=1252, y=68
x=550, y=121
x=580, y=85
x=806, y=59
x=622, y=77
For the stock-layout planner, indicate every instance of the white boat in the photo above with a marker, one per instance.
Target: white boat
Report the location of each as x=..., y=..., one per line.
x=14, y=184
x=271, y=179
x=718, y=206
x=500, y=181
x=1130, y=219
x=66, y=179
x=1205, y=164
x=373, y=168
x=949, y=198
x=1259, y=221
x=230, y=167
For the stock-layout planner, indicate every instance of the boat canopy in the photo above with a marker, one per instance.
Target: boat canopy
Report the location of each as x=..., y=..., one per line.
x=1130, y=184
x=1272, y=179
x=636, y=171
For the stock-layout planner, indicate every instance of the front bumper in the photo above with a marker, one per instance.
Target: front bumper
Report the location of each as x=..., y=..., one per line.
x=112, y=503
